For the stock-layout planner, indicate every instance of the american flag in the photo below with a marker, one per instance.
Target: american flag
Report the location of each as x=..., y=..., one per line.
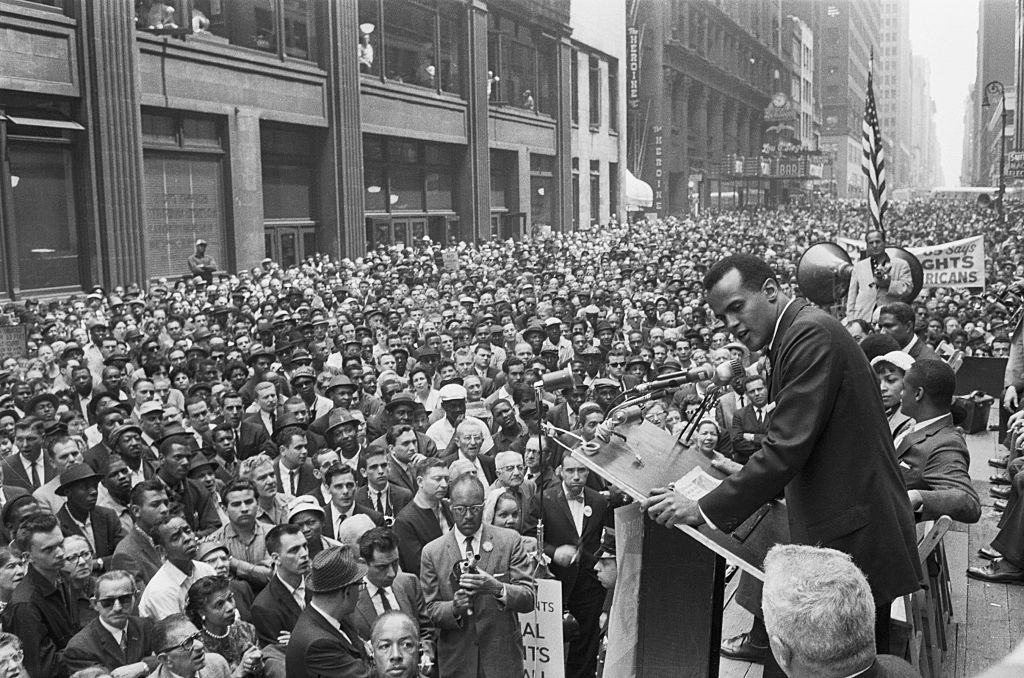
x=873, y=162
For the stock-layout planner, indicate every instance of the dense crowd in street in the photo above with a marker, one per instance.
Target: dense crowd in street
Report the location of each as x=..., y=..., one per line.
x=190, y=465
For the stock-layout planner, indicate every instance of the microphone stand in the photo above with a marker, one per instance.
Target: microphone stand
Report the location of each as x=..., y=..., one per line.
x=710, y=398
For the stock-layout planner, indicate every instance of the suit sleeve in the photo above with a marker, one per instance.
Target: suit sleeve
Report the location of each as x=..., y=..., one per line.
x=209, y=519
x=267, y=623
x=265, y=443
x=810, y=378
x=409, y=546
x=851, y=296
x=115, y=533
x=1014, y=375
x=324, y=659
x=901, y=282
x=439, y=611
x=951, y=493
x=520, y=591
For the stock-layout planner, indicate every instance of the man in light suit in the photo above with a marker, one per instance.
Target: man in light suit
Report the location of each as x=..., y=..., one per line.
x=324, y=643
x=877, y=279
x=478, y=610
x=387, y=587
x=933, y=456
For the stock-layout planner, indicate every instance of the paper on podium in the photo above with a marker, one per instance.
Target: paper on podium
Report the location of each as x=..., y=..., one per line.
x=665, y=462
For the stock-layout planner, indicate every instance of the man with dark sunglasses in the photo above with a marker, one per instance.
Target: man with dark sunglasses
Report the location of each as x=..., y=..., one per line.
x=116, y=637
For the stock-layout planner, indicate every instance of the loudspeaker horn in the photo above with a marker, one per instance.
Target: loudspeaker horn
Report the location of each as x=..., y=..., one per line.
x=556, y=381
x=916, y=270
x=823, y=273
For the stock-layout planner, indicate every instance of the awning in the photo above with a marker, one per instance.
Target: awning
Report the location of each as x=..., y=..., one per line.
x=638, y=193
x=42, y=119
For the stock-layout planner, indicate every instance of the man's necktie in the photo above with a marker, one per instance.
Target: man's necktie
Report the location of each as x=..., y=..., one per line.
x=295, y=482
x=380, y=503
x=759, y=415
x=470, y=555
x=35, y=474
x=384, y=600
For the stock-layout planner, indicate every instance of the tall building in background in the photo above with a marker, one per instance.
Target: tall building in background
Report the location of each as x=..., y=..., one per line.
x=995, y=61
x=894, y=91
x=849, y=30
x=925, y=158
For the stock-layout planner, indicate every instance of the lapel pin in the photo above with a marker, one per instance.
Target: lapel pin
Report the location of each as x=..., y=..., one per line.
x=587, y=511
x=488, y=546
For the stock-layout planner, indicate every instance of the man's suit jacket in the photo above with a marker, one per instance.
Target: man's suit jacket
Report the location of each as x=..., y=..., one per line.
x=559, y=529
x=899, y=422
x=399, y=477
x=487, y=463
x=559, y=416
x=889, y=666
x=491, y=636
x=828, y=447
x=318, y=650
x=415, y=527
x=307, y=481
x=406, y=588
x=251, y=439
x=397, y=498
x=14, y=473
x=274, y=611
x=935, y=462
x=922, y=351
x=745, y=421
x=94, y=646
x=137, y=554
x=864, y=297
x=330, y=514
x=107, y=532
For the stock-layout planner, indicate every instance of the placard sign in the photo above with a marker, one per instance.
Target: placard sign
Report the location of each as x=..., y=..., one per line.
x=451, y=260
x=14, y=342
x=542, y=633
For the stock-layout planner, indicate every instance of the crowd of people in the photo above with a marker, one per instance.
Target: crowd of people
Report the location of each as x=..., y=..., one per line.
x=338, y=469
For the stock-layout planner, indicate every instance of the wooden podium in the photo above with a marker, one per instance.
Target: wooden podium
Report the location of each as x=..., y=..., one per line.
x=670, y=589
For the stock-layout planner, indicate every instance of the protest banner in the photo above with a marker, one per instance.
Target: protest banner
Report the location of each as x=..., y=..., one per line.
x=542, y=633
x=960, y=263
x=14, y=341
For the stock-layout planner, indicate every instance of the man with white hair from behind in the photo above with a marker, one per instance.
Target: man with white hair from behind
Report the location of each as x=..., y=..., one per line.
x=820, y=616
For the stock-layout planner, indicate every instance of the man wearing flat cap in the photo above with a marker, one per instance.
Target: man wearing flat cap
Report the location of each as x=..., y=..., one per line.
x=324, y=644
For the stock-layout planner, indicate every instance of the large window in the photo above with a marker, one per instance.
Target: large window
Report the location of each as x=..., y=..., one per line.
x=575, y=79
x=405, y=175
x=595, y=192
x=613, y=95
x=44, y=215
x=594, y=70
x=541, y=190
x=183, y=190
x=524, y=61
x=613, y=190
x=416, y=42
x=256, y=24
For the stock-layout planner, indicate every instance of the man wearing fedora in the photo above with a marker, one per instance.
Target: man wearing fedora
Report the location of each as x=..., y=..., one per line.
x=324, y=644
x=477, y=611
x=80, y=515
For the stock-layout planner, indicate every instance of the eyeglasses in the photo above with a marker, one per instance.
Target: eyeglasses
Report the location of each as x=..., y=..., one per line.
x=16, y=658
x=616, y=364
x=185, y=645
x=515, y=467
x=125, y=600
x=75, y=557
x=461, y=511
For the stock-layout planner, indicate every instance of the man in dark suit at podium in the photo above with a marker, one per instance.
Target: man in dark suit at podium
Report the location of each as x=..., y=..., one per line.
x=574, y=520
x=842, y=486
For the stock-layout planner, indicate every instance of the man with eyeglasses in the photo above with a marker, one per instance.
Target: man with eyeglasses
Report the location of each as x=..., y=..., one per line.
x=469, y=440
x=116, y=637
x=41, y=611
x=511, y=478
x=181, y=653
x=477, y=613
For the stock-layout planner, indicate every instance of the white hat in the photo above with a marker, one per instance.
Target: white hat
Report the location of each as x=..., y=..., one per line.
x=453, y=392
x=899, y=359
x=301, y=504
x=553, y=320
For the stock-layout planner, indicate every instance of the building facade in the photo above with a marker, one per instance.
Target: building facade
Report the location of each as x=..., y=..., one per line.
x=708, y=72
x=283, y=128
x=848, y=30
x=894, y=92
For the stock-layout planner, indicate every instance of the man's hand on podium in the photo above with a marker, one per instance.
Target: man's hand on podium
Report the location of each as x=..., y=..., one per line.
x=668, y=507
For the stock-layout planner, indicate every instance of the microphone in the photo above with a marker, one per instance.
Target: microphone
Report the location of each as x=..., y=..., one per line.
x=721, y=375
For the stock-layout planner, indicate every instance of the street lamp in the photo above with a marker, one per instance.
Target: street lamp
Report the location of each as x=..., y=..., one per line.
x=993, y=88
